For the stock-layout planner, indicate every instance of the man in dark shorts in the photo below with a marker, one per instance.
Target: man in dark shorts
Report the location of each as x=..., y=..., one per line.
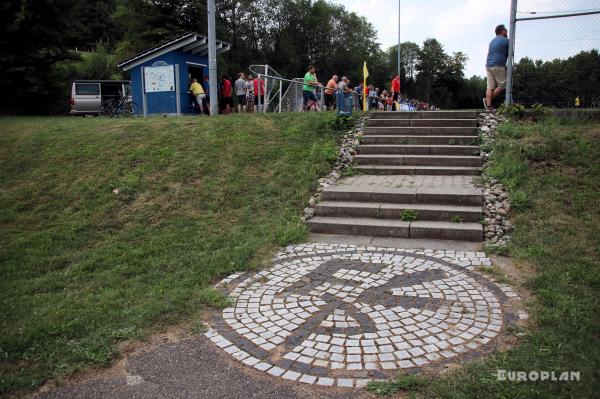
x=226, y=99
x=240, y=92
x=330, y=92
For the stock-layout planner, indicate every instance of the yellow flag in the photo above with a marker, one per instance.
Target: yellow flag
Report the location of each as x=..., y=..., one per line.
x=364, y=93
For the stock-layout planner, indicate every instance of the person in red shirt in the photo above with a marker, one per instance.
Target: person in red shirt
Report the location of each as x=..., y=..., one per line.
x=226, y=99
x=259, y=94
x=395, y=90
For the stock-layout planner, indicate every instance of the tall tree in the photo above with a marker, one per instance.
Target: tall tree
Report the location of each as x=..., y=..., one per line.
x=432, y=62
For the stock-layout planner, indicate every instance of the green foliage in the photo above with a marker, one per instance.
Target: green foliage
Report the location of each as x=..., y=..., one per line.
x=556, y=83
x=409, y=215
x=555, y=244
x=196, y=199
x=410, y=383
x=352, y=171
x=456, y=219
x=540, y=111
x=513, y=110
x=342, y=123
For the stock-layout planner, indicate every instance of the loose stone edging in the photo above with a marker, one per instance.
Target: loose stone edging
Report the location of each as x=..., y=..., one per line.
x=497, y=205
x=348, y=147
x=345, y=315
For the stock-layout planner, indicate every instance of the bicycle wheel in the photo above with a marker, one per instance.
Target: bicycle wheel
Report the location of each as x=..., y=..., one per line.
x=107, y=109
x=129, y=109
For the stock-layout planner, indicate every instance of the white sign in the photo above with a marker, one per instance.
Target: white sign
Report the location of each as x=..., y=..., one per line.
x=159, y=78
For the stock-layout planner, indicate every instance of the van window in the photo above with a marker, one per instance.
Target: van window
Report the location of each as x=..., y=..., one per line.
x=87, y=89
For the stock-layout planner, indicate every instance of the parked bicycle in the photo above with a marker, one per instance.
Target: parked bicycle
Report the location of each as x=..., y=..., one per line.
x=121, y=107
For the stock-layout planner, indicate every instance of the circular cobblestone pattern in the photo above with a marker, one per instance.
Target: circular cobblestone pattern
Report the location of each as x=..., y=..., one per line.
x=340, y=315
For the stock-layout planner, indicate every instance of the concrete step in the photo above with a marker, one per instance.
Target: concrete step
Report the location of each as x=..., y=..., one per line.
x=420, y=140
x=422, y=131
x=422, y=122
x=416, y=160
x=447, y=231
x=419, y=149
x=425, y=115
x=360, y=226
x=431, y=212
x=416, y=195
x=417, y=170
x=397, y=228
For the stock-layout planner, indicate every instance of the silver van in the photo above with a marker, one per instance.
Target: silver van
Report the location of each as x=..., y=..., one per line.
x=88, y=96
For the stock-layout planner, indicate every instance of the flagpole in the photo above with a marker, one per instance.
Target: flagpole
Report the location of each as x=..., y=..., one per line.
x=364, y=93
x=399, y=2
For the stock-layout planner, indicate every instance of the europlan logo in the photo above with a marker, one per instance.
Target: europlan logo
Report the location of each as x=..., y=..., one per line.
x=537, y=375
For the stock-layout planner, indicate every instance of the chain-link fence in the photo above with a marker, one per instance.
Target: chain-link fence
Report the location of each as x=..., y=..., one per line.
x=557, y=60
x=284, y=95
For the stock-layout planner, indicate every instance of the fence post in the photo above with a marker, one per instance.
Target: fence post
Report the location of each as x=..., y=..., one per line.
x=322, y=98
x=280, y=93
x=266, y=89
x=511, y=53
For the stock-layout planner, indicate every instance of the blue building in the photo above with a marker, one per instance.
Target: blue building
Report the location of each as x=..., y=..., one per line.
x=161, y=76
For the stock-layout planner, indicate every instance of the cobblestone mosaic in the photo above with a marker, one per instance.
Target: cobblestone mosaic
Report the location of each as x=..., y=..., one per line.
x=342, y=315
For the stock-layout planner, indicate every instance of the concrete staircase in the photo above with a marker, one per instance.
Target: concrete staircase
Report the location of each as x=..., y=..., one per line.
x=439, y=143
x=420, y=143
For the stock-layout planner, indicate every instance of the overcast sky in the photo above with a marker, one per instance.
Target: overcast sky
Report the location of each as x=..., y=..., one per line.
x=468, y=26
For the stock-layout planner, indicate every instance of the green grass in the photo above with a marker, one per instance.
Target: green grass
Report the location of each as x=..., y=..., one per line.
x=552, y=169
x=198, y=198
x=409, y=215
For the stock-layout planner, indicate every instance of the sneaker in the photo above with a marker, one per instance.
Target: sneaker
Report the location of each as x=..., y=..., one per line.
x=485, y=106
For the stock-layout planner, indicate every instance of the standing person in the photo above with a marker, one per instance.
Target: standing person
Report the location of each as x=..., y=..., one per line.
x=577, y=102
x=226, y=99
x=332, y=85
x=309, y=88
x=495, y=66
x=198, y=92
x=206, y=101
x=259, y=94
x=240, y=92
x=250, y=93
x=395, y=91
x=359, y=90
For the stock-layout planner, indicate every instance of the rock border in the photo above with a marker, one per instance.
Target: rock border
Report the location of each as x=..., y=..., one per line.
x=348, y=145
x=497, y=206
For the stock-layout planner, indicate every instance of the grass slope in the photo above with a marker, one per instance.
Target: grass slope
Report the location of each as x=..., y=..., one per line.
x=198, y=198
x=552, y=171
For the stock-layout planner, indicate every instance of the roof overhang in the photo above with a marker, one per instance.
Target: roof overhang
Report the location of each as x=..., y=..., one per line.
x=192, y=43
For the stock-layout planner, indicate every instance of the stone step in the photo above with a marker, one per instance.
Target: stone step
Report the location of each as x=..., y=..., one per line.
x=397, y=228
x=420, y=140
x=416, y=160
x=419, y=149
x=417, y=170
x=380, y=210
x=424, y=115
x=422, y=131
x=422, y=122
x=416, y=195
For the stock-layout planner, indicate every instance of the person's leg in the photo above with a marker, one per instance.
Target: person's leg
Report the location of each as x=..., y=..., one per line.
x=500, y=76
x=305, y=100
x=491, y=86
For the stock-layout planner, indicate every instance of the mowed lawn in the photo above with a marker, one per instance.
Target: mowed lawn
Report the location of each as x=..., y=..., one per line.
x=111, y=229
x=552, y=171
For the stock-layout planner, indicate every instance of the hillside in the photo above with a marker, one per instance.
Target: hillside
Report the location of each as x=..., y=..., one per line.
x=113, y=228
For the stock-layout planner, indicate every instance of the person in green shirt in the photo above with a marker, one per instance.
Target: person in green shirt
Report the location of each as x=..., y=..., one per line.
x=309, y=88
